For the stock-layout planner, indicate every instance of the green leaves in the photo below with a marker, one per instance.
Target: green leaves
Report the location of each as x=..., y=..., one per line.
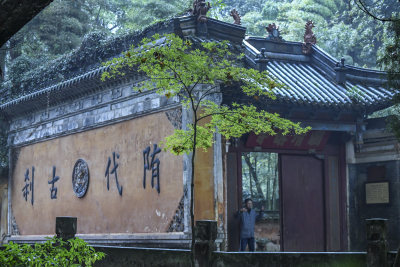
x=240, y=119
x=194, y=73
x=53, y=252
x=176, y=66
x=181, y=141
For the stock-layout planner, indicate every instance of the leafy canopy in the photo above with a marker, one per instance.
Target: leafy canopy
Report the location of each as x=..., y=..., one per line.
x=193, y=74
x=390, y=62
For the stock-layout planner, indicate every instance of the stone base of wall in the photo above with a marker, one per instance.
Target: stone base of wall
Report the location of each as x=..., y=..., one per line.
x=130, y=256
x=125, y=256
x=289, y=259
x=162, y=240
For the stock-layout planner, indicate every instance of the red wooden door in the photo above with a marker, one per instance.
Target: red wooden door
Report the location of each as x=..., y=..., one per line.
x=302, y=203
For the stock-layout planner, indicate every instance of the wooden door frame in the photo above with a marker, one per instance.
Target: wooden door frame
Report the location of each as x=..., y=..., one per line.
x=340, y=153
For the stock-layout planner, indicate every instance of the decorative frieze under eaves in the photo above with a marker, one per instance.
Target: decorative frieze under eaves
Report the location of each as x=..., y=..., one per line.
x=95, y=110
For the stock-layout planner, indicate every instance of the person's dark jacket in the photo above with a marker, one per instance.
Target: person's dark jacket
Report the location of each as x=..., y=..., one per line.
x=247, y=222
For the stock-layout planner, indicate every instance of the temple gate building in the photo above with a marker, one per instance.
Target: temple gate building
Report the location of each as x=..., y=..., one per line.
x=91, y=149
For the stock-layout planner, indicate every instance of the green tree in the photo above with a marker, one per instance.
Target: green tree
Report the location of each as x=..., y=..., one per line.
x=390, y=57
x=342, y=29
x=176, y=68
x=143, y=13
x=58, y=29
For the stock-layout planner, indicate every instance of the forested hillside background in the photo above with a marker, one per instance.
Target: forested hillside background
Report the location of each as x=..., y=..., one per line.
x=68, y=33
x=342, y=29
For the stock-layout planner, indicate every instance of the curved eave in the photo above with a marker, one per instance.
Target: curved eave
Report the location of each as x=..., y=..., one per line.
x=67, y=90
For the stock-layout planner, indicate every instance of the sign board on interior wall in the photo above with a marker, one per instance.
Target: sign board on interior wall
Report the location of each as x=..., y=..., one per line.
x=377, y=193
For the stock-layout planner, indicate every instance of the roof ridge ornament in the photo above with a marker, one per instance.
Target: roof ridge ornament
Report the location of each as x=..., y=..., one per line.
x=235, y=15
x=200, y=9
x=273, y=33
x=262, y=59
x=262, y=53
x=340, y=69
x=309, y=37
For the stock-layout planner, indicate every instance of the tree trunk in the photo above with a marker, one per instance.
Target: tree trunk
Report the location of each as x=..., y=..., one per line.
x=267, y=180
x=192, y=247
x=274, y=187
x=251, y=186
x=254, y=174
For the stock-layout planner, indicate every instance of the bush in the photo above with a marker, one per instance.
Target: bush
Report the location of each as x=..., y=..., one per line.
x=53, y=252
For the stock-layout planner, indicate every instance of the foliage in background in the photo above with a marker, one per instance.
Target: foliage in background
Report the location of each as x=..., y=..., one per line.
x=390, y=61
x=143, y=13
x=261, y=179
x=342, y=30
x=65, y=24
x=192, y=73
x=53, y=252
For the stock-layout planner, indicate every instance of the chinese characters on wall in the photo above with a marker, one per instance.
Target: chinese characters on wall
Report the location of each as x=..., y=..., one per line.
x=53, y=189
x=153, y=166
x=113, y=171
x=29, y=185
x=80, y=175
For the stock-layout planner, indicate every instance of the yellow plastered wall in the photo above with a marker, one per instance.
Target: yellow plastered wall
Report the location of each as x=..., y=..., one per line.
x=138, y=210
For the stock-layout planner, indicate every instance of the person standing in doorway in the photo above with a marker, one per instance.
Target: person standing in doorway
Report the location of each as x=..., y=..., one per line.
x=248, y=218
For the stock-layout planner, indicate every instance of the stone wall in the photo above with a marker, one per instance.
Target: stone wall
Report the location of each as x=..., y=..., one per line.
x=358, y=210
x=293, y=259
x=92, y=127
x=143, y=257
x=181, y=258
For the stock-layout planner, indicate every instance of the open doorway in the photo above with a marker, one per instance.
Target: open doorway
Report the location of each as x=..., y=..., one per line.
x=291, y=189
x=260, y=182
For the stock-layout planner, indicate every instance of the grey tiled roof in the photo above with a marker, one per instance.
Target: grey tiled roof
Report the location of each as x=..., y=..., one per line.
x=307, y=85
x=312, y=80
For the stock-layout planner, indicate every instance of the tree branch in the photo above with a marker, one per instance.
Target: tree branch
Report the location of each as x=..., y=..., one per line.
x=207, y=93
x=216, y=113
x=361, y=5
